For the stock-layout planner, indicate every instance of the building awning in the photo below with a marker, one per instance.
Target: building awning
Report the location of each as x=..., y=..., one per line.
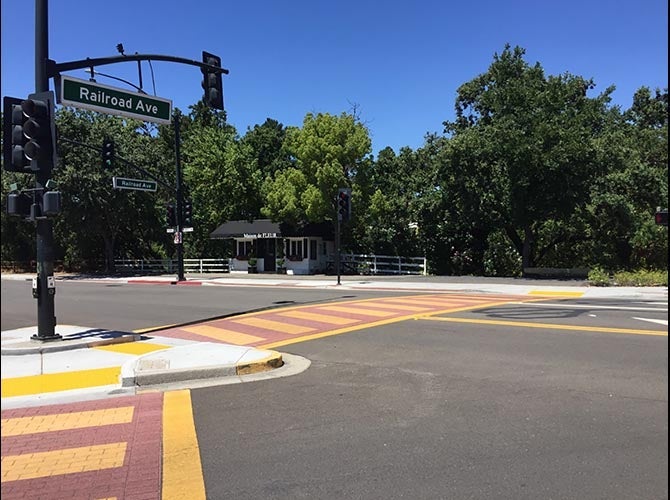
x=261, y=228
x=265, y=228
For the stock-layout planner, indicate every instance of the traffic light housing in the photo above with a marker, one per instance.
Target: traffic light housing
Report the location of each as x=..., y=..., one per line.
x=13, y=139
x=108, y=154
x=19, y=204
x=188, y=214
x=29, y=133
x=343, y=204
x=661, y=217
x=212, y=82
x=171, y=215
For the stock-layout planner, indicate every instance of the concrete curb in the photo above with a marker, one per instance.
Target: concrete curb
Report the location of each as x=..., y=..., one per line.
x=147, y=372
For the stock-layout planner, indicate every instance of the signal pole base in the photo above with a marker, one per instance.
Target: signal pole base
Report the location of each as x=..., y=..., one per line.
x=46, y=338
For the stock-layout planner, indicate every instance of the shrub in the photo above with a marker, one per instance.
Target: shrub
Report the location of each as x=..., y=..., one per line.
x=599, y=277
x=641, y=278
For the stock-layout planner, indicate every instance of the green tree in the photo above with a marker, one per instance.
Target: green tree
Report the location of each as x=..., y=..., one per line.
x=524, y=148
x=267, y=144
x=222, y=178
x=327, y=151
x=622, y=203
x=97, y=221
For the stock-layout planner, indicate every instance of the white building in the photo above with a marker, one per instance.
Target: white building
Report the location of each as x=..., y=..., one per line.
x=277, y=248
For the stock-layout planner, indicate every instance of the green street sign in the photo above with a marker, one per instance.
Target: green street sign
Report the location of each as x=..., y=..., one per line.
x=134, y=184
x=113, y=101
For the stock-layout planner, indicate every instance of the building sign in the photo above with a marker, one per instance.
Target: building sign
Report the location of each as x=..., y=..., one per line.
x=260, y=235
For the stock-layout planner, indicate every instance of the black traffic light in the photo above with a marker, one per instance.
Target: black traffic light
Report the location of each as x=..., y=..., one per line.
x=32, y=141
x=19, y=204
x=212, y=82
x=661, y=217
x=39, y=131
x=29, y=133
x=187, y=220
x=13, y=139
x=171, y=215
x=343, y=204
x=108, y=154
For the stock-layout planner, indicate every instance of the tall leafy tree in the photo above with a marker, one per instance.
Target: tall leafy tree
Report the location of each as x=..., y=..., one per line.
x=327, y=151
x=98, y=222
x=267, y=144
x=622, y=202
x=222, y=177
x=524, y=147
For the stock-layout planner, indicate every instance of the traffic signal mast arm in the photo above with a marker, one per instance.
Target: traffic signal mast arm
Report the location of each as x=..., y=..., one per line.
x=127, y=162
x=54, y=69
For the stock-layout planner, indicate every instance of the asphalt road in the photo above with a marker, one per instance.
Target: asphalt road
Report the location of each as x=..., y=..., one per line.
x=128, y=307
x=555, y=399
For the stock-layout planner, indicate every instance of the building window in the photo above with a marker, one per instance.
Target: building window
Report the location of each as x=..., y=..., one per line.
x=296, y=252
x=244, y=249
x=312, y=249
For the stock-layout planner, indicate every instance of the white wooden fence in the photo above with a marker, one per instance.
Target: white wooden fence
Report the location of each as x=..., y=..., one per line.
x=200, y=266
x=384, y=264
x=350, y=263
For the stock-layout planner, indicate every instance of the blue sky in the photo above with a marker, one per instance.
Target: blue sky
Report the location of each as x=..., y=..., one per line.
x=398, y=63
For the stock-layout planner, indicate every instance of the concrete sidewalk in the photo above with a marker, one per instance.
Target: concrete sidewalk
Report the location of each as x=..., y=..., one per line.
x=89, y=363
x=400, y=283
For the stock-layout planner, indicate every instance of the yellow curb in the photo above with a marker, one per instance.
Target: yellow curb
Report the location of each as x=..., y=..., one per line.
x=274, y=360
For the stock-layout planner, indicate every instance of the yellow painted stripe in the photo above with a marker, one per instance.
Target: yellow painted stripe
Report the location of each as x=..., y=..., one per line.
x=182, y=470
x=551, y=326
x=444, y=302
x=21, y=426
x=62, y=381
x=64, y=461
x=323, y=318
x=135, y=348
x=223, y=335
x=552, y=293
x=399, y=307
x=352, y=309
x=372, y=324
x=310, y=307
x=275, y=326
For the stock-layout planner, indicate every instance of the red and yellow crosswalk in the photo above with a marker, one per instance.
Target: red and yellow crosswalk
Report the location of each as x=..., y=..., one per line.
x=141, y=446
x=278, y=327
x=145, y=446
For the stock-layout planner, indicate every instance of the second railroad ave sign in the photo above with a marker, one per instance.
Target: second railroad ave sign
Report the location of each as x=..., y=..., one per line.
x=135, y=184
x=113, y=101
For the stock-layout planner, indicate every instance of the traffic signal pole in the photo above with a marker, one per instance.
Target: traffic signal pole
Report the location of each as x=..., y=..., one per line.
x=45, y=288
x=179, y=235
